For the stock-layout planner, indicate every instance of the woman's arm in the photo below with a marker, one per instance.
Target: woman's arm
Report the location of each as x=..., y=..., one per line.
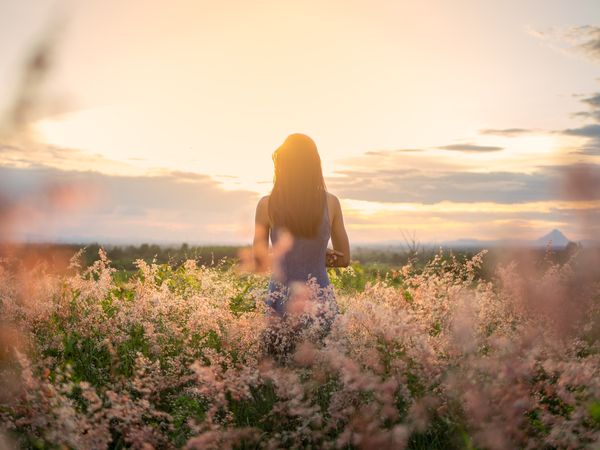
x=260, y=245
x=339, y=237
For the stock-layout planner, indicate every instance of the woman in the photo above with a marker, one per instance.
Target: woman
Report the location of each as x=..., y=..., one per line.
x=300, y=217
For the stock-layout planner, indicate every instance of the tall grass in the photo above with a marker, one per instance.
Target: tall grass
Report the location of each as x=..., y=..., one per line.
x=185, y=357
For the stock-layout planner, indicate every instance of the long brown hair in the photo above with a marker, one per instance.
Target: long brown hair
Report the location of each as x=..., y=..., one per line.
x=298, y=199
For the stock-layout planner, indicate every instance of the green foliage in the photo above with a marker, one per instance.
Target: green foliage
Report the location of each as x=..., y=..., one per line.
x=183, y=409
x=594, y=410
x=256, y=410
x=241, y=302
x=128, y=351
x=349, y=279
x=441, y=433
x=89, y=361
x=118, y=333
x=179, y=280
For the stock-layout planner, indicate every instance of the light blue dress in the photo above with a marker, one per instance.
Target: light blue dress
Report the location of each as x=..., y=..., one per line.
x=305, y=260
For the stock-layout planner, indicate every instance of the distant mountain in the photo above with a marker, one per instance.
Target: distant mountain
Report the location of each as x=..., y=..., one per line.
x=553, y=239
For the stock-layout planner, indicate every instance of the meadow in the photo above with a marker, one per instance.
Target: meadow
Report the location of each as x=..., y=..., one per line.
x=424, y=355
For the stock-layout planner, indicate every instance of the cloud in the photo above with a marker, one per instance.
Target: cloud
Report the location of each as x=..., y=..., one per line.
x=444, y=221
x=471, y=148
x=377, y=153
x=591, y=131
x=593, y=149
x=594, y=115
x=593, y=101
x=408, y=150
x=507, y=132
x=499, y=187
x=191, y=207
x=588, y=38
x=173, y=207
x=502, y=187
x=584, y=40
x=390, y=152
x=483, y=219
x=31, y=153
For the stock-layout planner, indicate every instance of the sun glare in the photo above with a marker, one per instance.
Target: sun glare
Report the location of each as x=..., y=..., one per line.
x=150, y=144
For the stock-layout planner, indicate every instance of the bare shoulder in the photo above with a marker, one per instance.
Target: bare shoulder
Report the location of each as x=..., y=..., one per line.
x=262, y=210
x=333, y=203
x=332, y=200
x=264, y=201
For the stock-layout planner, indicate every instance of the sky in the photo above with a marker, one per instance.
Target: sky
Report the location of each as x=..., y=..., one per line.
x=157, y=120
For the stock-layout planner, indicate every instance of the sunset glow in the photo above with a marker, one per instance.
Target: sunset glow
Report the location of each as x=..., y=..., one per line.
x=447, y=119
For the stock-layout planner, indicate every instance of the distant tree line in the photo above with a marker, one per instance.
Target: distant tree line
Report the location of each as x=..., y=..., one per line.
x=374, y=260
x=122, y=256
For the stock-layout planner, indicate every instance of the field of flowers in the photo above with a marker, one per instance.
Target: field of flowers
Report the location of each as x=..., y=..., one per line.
x=184, y=357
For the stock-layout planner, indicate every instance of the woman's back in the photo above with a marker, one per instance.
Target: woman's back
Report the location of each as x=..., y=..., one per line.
x=299, y=206
x=306, y=258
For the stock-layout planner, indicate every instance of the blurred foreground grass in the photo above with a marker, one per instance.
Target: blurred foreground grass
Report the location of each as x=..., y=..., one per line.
x=425, y=355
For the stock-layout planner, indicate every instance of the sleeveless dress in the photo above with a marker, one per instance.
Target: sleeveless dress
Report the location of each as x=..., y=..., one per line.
x=304, y=262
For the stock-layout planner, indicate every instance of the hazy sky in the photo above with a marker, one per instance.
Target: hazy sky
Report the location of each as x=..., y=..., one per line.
x=447, y=118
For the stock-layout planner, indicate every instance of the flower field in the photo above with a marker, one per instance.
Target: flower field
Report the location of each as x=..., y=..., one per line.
x=185, y=357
